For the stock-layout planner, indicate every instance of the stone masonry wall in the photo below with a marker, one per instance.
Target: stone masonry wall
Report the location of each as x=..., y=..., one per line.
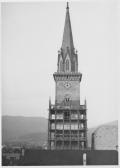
x=106, y=137
x=73, y=91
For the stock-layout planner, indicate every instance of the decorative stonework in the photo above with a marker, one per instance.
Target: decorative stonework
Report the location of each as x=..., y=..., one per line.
x=67, y=76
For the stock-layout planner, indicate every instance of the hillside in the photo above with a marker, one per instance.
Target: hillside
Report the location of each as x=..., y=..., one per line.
x=24, y=129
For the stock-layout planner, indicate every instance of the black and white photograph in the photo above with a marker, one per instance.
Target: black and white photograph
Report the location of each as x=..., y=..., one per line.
x=59, y=87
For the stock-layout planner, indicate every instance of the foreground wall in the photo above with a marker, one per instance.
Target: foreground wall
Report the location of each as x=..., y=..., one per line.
x=66, y=157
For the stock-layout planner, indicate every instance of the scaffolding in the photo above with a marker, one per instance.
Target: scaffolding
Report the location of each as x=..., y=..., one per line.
x=67, y=128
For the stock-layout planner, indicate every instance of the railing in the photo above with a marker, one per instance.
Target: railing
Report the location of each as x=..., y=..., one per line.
x=53, y=128
x=68, y=137
x=66, y=119
x=80, y=118
x=59, y=116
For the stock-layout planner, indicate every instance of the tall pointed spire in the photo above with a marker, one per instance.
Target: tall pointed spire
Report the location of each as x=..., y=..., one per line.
x=67, y=35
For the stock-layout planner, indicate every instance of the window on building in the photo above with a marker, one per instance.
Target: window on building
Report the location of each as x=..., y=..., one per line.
x=52, y=135
x=59, y=116
x=74, y=116
x=82, y=134
x=81, y=116
x=59, y=126
x=53, y=116
x=52, y=145
x=67, y=65
x=74, y=126
x=52, y=126
x=66, y=115
x=82, y=145
x=66, y=126
x=82, y=125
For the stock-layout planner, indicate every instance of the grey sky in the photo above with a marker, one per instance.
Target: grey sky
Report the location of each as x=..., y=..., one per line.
x=32, y=35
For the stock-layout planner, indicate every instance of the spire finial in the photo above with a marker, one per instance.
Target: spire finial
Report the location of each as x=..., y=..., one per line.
x=67, y=5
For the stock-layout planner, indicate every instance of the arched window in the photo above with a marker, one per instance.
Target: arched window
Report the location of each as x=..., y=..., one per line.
x=67, y=65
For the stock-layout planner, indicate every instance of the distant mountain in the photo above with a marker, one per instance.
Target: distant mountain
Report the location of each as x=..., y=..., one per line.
x=31, y=130
x=24, y=129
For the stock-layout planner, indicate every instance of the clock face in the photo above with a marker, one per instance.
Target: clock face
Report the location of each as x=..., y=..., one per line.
x=67, y=85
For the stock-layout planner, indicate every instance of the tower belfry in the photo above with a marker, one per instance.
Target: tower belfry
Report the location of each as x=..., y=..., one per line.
x=67, y=124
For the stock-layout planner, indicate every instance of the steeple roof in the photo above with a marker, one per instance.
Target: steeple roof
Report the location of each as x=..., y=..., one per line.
x=67, y=35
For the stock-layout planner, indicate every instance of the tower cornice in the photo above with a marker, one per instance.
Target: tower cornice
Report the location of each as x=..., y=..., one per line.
x=67, y=76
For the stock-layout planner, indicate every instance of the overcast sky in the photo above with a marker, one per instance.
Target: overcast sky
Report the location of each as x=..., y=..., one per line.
x=31, y=37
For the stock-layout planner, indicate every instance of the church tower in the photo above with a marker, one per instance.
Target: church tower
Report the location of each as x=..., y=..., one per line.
x=67, y=123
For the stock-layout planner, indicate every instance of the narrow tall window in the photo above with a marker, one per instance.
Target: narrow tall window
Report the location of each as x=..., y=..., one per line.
x=61, y=65
x=67, y=65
